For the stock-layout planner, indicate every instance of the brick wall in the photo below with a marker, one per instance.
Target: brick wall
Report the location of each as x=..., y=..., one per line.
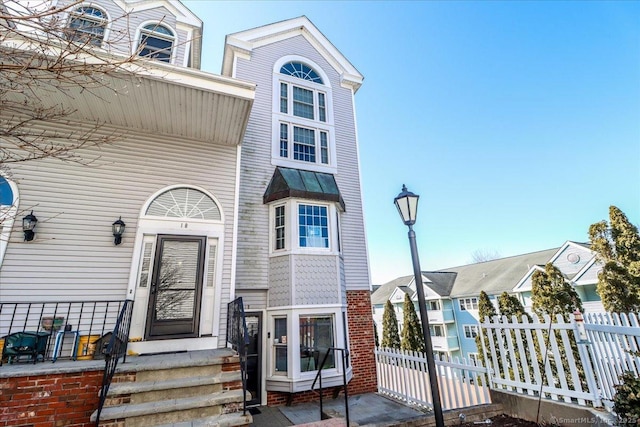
x=54, y=400
x=363, y=359
x=361, y=342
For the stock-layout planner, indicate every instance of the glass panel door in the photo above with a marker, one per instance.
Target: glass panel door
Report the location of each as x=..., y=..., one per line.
x=176, y=287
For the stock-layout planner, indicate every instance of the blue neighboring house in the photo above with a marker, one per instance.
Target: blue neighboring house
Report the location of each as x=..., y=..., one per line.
x=452, y=293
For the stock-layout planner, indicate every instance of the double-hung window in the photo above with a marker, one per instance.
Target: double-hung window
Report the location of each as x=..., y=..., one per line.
x=156, y=42
x=304, y=129
x=470, y=331
x=313, y=226
x=468, y=304
x=303, y=225
x=87, y=25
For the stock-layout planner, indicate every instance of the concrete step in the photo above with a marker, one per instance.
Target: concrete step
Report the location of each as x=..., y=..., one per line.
x=173, y=410
x=148, y=391
x=224, y=420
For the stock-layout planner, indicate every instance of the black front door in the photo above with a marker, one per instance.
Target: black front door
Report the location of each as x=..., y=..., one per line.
x=176, y=287
x=254, y=361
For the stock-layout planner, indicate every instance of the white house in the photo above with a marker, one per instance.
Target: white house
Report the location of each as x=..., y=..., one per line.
x=241, y=184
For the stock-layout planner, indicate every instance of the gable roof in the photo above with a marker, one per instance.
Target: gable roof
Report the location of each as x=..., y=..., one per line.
x=242, y=43
x=441, y=282
x=382, y=294
x=496, y=276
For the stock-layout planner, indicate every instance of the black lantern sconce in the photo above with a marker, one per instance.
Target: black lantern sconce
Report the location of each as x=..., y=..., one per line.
x=28, y=225
x=118, y=229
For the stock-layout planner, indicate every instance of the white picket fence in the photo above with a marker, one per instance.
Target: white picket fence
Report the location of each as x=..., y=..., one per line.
x=403, y=375
x=537, y=358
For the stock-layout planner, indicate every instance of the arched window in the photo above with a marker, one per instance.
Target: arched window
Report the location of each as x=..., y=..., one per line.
x=300, y=70
x=87, y=24
x=8, y=212
x=303, y=125
x=184, y=203
x=156, y=42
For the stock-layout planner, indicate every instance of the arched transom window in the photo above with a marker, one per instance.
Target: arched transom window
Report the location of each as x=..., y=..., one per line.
x=87, y=24
x=303, y=131
x=301, y=71
x=156, y=42
x=184, y=203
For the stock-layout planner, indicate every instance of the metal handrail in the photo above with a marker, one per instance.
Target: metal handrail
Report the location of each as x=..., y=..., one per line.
x=238, y=337
x=345, y=355
x=116, y=348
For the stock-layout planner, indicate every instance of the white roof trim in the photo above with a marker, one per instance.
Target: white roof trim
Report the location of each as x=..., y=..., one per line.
x=567, y=244
x=584, y=270
x=245, y=41
x=178, y=10
x=520, y=285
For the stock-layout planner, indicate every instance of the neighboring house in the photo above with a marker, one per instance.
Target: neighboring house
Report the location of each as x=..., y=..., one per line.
x=511, y=274
x=440, y=310
x=579, y=265
x=245, y=184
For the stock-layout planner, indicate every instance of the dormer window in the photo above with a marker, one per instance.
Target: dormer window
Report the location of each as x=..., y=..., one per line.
x=87, y=25
x=156, y=42
x=303, y=125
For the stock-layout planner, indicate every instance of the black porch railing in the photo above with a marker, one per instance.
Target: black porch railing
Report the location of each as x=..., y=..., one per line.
x=116, y=348
x=88, y=321
x=318, y=378
x=238, y=337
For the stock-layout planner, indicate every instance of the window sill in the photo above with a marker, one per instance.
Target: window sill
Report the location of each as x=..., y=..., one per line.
x=296, y=164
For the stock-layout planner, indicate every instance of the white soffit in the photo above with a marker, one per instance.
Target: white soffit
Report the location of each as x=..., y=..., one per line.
x=242, y=43
x=159, y=98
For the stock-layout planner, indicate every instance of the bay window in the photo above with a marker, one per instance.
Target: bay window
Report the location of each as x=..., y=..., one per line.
x=304, y=225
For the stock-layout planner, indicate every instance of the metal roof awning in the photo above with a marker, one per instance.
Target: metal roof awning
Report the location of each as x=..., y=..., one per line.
x=287, y=182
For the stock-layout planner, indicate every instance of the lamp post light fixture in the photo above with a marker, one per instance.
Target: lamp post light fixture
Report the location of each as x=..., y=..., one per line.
x=28, y=226
x=407, y=204
x=118, y=229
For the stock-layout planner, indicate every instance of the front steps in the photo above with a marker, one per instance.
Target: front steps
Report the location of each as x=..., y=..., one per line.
x=190, y=389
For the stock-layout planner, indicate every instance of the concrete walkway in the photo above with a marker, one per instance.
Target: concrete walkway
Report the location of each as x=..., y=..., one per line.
x=364, y=409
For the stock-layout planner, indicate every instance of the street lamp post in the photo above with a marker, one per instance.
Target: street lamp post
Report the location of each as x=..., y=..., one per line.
x=407, y=204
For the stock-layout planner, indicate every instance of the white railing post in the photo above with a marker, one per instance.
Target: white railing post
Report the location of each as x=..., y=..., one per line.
x=582, y=341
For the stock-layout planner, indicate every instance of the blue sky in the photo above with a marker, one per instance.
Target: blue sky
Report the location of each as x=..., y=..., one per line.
x=518, y=123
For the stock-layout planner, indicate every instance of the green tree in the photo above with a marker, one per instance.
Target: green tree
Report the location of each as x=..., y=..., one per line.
x=510, y=305
x=552, y=294
x=390, y=336
x=485, y=309
x=412, y=337
x=617, y=245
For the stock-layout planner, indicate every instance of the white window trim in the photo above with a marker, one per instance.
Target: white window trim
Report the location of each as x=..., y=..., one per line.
x=291, y=120
x=293, y=315
x=463, y=304
x=147, y=229
x=107, y=20
x=471, y=329
x=140, y=29
x=292, y=233
x=8, y=216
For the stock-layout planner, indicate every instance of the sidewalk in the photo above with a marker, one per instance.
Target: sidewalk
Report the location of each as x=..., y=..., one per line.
x=364, y=409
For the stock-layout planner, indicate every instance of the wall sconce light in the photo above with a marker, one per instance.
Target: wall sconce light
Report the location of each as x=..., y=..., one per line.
x=118, y=228
x=28, y=225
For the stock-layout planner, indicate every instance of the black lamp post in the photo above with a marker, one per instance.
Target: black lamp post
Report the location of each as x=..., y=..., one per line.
x=118, y=228
x=407, y=204
x=28, y=225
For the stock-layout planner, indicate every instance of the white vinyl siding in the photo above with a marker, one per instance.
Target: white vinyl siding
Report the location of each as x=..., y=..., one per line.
x=124, y=26
x=257, y=168
x=73, y=256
